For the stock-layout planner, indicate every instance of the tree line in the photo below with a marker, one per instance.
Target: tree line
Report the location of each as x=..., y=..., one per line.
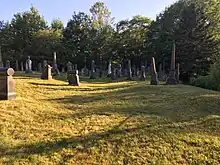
x=193, y=25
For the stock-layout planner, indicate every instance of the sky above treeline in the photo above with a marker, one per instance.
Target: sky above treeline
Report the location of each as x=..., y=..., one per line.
x=63, y=9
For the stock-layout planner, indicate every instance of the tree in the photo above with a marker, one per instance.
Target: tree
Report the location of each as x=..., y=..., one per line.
x=57, y=24
x=188, y=24
x=77, y=38
x=23, y=26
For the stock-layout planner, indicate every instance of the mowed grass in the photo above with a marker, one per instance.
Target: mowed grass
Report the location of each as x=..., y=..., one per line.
x=109, y=123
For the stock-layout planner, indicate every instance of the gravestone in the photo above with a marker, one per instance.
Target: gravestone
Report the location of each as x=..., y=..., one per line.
x=28, y=65
x=160, y=72
x=129, y=76
x=39, y=67
x=69, y=66
x=7, y=91
x=109, y=68
x=119, y=71
x=178, y=73
x=154, y=76
x=8, y=64
x=143, y=73
x=22, y=66
x=1, y=62
x=63, y=70
x=73, y=78
x=171, y=80
x=16, y=65
x=55, y=68
x=46, y=73
x=113, y=75
x=137, y=72
x=93, y=74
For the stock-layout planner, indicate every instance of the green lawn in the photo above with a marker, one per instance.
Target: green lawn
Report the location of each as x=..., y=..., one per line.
x=104, y=122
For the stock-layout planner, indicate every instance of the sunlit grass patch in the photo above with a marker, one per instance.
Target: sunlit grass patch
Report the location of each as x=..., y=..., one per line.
x=109, y=122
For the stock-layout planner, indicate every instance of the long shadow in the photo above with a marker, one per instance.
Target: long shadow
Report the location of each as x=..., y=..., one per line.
x=92, y=139
x=146, y=100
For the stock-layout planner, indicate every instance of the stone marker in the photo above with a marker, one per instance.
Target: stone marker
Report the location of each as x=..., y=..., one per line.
x=113, y=75
x=8, y=64
x=73, y=78
x=46, y=73
x=16, y=65
x=119, y=71
x=55, y=68
x=171, y=80
x=93, y=74
x=69, y=66
x=160, y=72
x=1, y=63
x=39, y=67
x=129, y=76
x=28, y=65
x=109, y=68
x=178, y=73
x=154, y=77
x=22, y=66
x=143, y=73
x=7, y=91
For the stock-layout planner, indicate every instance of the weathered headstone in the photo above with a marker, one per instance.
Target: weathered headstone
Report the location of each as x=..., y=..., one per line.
x=178, y=73
x=143, y=73
x=73, y=78
x=113, y=75
x=28, y=65
x=46, y=73
x=119, y=71
x=8, y=64
x=63, y=70
x=129, y=76
x=93, y=74
x=171, y=80
x=109, y=68
x=160, y=72
x=7, y=91
x=39, y=67
x=55, y=68
x=22, y=66
x=69, y=66
x=1, y=62
x=16, y=65
x=154, y=76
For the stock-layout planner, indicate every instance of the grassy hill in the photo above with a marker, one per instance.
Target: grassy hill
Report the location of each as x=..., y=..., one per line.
x=109, y=123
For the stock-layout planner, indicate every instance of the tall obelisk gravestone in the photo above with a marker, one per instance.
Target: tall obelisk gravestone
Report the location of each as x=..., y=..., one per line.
x=171, y=80
x=55, y=68
x=1, y=63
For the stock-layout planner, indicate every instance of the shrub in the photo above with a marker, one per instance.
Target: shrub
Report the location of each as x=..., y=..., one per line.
x=211, y=81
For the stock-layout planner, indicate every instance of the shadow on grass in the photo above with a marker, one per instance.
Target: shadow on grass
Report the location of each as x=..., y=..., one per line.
x=174, y=103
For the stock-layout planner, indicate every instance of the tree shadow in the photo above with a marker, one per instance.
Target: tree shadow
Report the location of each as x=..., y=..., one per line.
x=161, y=101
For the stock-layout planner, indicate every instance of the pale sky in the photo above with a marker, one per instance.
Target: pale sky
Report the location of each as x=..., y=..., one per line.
x=63, y=9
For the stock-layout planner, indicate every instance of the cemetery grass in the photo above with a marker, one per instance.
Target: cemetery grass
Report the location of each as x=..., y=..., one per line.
x=104, y=122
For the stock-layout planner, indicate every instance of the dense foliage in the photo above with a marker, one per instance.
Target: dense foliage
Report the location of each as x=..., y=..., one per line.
x=193, y=25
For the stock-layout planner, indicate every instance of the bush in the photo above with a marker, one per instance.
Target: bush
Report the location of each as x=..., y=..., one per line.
x=211, y=81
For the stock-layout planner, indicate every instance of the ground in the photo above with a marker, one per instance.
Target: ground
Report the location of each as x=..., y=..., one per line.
x=104, y=122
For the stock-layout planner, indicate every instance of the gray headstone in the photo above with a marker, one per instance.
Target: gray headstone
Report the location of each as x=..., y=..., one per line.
x=171, y=80
x=93, y=74
x=143, y=73
x=73, y=78
x=8, y=64
x=28, y=65
x=129, y=76
x=55, y=68
x=154, y=76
